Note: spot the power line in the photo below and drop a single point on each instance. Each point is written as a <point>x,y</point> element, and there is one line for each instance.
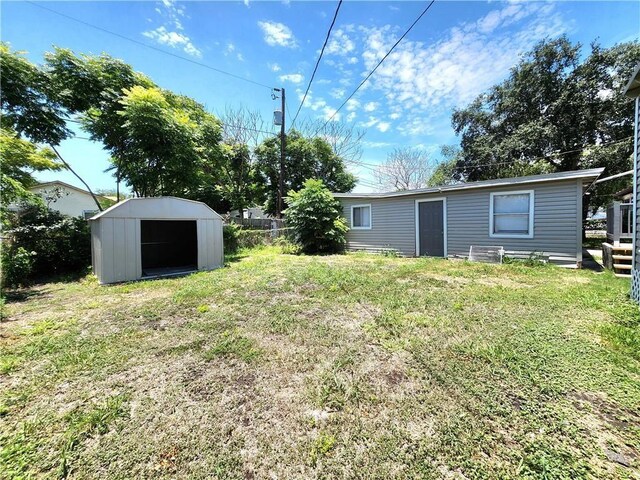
<point>137,42</point>
<point>374,166</point>
<point>221,123</point>
<point>376,67</point>
<point>326,40</point>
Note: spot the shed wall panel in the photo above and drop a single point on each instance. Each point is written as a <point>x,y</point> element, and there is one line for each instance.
<point>556,221</point>
<point>119,249</point>
<point>108,252</point>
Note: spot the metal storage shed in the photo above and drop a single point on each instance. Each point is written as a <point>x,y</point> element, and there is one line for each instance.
<point>153,237</point>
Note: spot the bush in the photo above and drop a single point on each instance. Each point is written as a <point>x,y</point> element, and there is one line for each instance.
<point>58,244</point>
<point>17,266</point>
<point>230,234</point>
<point>315,218</point>
<point>287,246</point>
<point>595,224</point>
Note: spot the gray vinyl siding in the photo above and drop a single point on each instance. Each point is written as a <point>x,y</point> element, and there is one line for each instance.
<point>557,222</point>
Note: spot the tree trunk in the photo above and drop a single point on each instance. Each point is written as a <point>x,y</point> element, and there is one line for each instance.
<point>95,199</point>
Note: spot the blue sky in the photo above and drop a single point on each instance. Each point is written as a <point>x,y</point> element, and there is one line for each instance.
<point>455,52</point>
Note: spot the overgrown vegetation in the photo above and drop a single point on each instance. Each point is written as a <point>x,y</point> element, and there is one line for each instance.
<point>42,243</point>
<point>315,218</point>
<point>324,367</point>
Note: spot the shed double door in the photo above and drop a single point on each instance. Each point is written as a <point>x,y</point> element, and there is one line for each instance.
<point>431,228</point>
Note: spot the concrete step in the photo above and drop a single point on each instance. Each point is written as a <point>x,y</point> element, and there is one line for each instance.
<point>622,275</point>
<point>621,266</point>
<point>622,257</point>
<point>622,248</point>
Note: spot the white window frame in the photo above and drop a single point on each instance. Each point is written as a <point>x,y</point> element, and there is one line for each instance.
<point>531,194</point>
<point>370,216</point>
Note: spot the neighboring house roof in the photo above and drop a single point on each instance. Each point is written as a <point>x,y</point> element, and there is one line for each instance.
<point>587,175</point>
<point>140,207</point>
<point>633,87</point>
<point>58,183</point>
<point>624,192</point>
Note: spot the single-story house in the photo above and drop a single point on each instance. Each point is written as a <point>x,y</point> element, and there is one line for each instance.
<point>540,214</point>
<point>67,199</point>
<point>152,237</point>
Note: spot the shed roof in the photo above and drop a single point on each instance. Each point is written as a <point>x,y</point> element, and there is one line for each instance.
<point>633,87</point>
<point>587,176</point>
<point>166,208</point>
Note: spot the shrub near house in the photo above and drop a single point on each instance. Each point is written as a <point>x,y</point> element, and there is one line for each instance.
<point>315,219</point>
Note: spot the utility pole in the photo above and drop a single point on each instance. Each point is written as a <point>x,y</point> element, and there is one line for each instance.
<point>282,153</point>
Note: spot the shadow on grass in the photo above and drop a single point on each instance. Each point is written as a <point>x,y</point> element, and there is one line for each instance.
<point>31,290</point>
<point>21,294</point>
<point>235,257</point>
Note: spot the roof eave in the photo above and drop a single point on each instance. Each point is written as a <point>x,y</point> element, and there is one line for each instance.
<point>632,89</point>
<point>588,176</point>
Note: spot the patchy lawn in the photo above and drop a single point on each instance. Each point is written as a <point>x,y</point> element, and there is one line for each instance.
<point>351,366</point>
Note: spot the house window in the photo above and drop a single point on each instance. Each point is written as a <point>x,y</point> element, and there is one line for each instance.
<point>511,214</point>
<point>361,217</point>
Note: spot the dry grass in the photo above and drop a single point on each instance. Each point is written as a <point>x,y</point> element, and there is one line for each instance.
<point>349,366</point>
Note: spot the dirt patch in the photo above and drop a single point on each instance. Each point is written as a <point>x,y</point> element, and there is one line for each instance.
<point>612,414</point>
<point>395,377</point>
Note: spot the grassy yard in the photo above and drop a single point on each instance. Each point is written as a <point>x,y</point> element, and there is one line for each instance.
<point>352,366</point>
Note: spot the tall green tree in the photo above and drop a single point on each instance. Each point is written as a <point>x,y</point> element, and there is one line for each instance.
<point>235,177</point>
<point>31,107</point>
<point>555,112</point>
<point>305,158</point>
<point>26,100</point>
<point>20,158</point>
<point>159,142</point>
<point>167,138</point>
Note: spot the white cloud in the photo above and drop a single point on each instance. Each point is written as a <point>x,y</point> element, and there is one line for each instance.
<point>352,60</point>
<point>370,144</point>
<point>278,34</point>
<point>274,67</point>
<point>352,104</point>
<point>170,32</point>
<point>351,116</point>
<point>395,116</point>
<point>292,77</point>
<point>340,44</point>
<point>240,57</point>
<point>370,106</point>
<point>246,3</point>
<point>337,92</point>
<point>174,40</point>
<point>370,123</point>
<point>229,48</point>
<point>330,114</point>
<point>425,81</point>
<point>383,126</point>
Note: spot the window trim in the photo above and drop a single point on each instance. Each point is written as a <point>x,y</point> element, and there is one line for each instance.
<point>531,194</point>
<point>370,216</point>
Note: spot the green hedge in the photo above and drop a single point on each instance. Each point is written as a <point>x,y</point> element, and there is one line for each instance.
<point>42,243</point>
